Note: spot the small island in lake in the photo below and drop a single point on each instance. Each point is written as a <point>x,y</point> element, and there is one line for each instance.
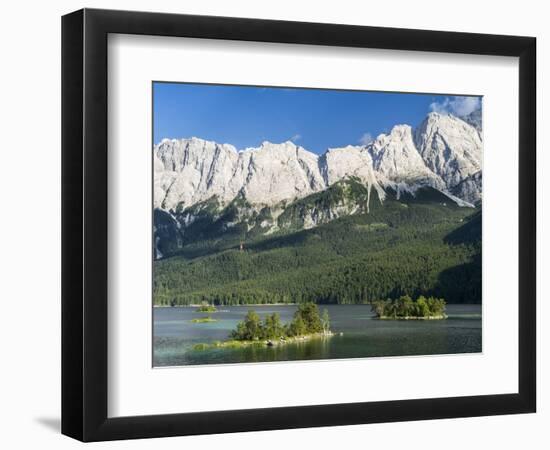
<point>206,319</point>
<point>205,307</point>
<point>405,308</point>
<point>307,323</point>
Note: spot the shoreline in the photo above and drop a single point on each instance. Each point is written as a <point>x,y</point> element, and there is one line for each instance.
<point>233,343</point>
<point>223,306</point>
<point>203,320</point>
<point>438,317</point>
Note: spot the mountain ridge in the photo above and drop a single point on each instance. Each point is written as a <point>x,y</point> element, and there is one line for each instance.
<point>441,152</point>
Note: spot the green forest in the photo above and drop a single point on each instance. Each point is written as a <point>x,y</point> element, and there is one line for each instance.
<point>408,246</point>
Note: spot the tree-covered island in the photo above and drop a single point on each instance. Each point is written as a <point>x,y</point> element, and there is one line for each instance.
<point>307,323</point>
<point>405,308</point>
<point>205,307</point>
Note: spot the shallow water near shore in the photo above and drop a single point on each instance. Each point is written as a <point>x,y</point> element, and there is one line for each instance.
<point>358,334</point>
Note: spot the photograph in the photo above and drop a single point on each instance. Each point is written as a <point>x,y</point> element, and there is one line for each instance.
<point>312,224</point>
<point>329,218</point>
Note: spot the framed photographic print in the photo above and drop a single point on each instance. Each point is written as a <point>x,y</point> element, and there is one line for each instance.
<point>273,224</point>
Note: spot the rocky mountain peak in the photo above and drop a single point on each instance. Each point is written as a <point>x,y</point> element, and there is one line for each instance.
<point>396,159</point>
<point>450,147</point>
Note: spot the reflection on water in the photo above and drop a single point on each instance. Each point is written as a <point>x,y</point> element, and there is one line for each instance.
<point>363,335</point>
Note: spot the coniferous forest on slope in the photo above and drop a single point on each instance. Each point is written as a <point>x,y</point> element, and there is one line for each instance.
<point>409,246</point>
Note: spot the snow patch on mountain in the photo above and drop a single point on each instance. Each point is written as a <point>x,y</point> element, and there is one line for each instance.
<point>459,201</point>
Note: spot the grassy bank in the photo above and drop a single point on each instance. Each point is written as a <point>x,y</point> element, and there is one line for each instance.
<point>438,317</point>
<point>233,343</point>
<point>203,320</point>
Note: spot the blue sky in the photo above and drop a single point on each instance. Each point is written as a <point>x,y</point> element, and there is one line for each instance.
<point>313,118</point>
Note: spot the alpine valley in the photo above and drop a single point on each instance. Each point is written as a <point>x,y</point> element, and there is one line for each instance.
<point>280,224</point>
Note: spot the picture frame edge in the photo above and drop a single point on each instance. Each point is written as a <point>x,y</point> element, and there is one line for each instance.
<point>85,240</point>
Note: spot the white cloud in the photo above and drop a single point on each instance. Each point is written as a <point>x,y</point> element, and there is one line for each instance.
<point>296,137</point>
<point>458,106</point>
<point>366,139</point>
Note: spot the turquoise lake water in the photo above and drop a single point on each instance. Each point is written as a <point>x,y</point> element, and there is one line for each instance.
<point>362,335</point>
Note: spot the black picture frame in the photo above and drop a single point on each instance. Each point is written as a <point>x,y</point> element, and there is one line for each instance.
<point>84,224</point>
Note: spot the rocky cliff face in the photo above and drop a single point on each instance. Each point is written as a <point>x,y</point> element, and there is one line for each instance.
<point>397,161</point>
<point>469,188</point>
<point>450,147</point>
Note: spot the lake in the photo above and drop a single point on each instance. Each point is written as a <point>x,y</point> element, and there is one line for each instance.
<point>363,335</point>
